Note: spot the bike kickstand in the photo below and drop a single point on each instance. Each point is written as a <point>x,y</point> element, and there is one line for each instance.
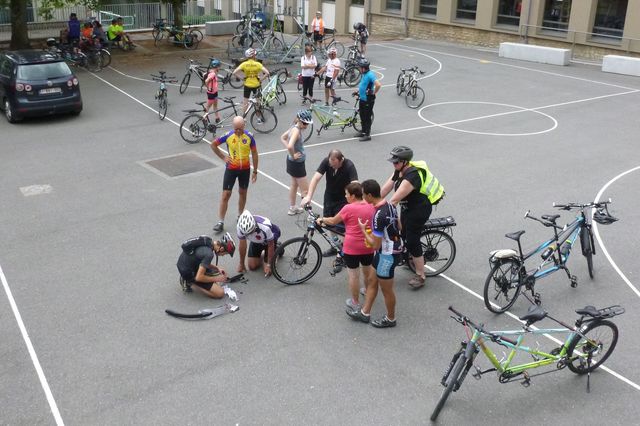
<point>526,382</point>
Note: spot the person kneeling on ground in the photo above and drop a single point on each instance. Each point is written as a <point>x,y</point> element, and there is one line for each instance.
<point>197,269</point>
<point>263,236</point>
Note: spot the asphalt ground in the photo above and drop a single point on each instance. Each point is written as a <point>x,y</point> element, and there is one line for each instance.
<point>90,264</point>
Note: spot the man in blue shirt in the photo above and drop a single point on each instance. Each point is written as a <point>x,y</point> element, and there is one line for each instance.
<point>367,91</point>
<point>74,29</point>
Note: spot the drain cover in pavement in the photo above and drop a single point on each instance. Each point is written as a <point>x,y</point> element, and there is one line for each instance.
<point>179,165</point>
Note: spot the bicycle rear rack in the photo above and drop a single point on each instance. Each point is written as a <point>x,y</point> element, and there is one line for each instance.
<point>440,222</point>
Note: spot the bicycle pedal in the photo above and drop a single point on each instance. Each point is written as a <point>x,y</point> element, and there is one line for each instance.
<point>526,382</point>
<point>477,374</point>
<point>574,281</point>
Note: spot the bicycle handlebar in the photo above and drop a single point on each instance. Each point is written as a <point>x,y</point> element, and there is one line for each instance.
<point>571,206</point>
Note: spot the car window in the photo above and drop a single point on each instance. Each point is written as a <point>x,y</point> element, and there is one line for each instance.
<point>5,66</point>
<point>43,71</point>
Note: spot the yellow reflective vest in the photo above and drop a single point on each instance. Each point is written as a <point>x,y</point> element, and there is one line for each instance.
<point>430,187</point>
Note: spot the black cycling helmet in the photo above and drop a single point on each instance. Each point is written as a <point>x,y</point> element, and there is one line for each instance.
<point>603,217</point>
<point>364,63</point>
<point>228,244</point>
<point>401,153</point>
<point>358,25</point>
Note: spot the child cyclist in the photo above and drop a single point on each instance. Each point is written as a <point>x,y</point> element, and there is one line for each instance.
<point>212,88</point>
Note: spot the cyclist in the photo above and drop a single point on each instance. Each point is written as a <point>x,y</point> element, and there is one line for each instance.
<point>308,65</point>
<point>240,145</point>
<point>252,70</point>
<point>367,90</point>
<point>331,70</point>
<point>361,34</point>
<point>212,88</point>
<point>197,267</point>
<point>416,189</point>
<point>317,25</point>
<point>294,143</point>
<point>385,238</point>
<point>115,32</point>
<point>263,236</point>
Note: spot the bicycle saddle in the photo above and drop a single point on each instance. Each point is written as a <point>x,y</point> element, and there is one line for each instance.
<point>514,235</point>
<point>588,310</point>
<point>534,314</point>
<point>229,99</point>
<point>550,217</point>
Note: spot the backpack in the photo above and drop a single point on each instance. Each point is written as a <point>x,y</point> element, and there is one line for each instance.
<point>192,244</point>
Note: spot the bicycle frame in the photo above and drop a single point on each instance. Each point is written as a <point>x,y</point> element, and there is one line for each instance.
<point>329,116</point>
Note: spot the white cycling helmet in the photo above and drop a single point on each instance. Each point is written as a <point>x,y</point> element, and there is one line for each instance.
<point>246,223</point>
<point>250,52</point>
<point>332,50</point>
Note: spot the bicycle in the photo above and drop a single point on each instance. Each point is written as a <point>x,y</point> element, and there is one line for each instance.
<point>162,95</point>
<point>332,117</point>
<point>299,259</point>
<point>508,271</point>
<point>225,76</point>
<point>588,344</point>
<point>407,83</point>
<point>189,38</point>
<point>195,125</point>
<point>273,91</point>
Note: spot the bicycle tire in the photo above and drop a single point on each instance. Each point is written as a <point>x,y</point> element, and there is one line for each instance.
<point>269,120</point>
<point>352,76</point>
<point>357,123</point>
<point>162,106</point>
<point>193,128</point>
<point>197,36</point>
<point>291,259</point>
<point>240,27</point>
<point>450,381</point>
<point>400,84</point>
<point>236,41</point>
<point>155,31</point>
<point>306,133</point>
<point>158,38</point>
<point>235,82</point>
<point>281,96</point>
<point>94,61</point>
<point>414,96</point>
<point>501,281</point>
<point>587,248</point>
<point>277,45</point>
<point>438,252</point>
<point>185,82</point>
<point>593,341</point>
<point>106,57</point>
<point>283,76</point>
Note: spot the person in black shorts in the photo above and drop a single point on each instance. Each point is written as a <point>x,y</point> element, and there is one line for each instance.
<point>197,269</point>
<point>340,172</point>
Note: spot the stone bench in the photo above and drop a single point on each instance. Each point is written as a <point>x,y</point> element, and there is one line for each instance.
<point>533,53</point>
<point>621,65</point>
<point>221,27</point>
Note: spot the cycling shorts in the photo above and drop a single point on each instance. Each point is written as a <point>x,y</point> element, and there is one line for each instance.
<point>385,265</point>
<point>354,260</point>
<point>212,96</point>
<point>249,90</point>
<point>256,249</point>
<point>329,83</point>
<point>230,177</point>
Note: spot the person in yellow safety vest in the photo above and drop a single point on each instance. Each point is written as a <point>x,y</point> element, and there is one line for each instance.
<point>317,26</point>
<point>416,190</point>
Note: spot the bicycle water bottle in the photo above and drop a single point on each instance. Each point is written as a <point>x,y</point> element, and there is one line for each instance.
<point>366,242</point>
<point>548,251</point>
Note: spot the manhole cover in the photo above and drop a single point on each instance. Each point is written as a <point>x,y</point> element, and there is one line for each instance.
<point>179,165</point>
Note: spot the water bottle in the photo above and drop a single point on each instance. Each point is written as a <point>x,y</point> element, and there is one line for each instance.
<point>366,242</point>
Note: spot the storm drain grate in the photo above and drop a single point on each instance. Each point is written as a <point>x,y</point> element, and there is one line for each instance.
<point>175,166</point>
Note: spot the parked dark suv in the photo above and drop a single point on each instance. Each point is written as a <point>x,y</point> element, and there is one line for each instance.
<point>37,83</point>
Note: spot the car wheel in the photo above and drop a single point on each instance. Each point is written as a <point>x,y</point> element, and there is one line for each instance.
<point>8,112</point>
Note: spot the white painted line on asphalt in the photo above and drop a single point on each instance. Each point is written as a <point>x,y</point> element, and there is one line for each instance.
<point>32,351</point>
<point>597,233</point>
<point>31,190</point>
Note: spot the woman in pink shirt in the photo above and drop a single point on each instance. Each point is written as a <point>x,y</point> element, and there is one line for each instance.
<point>212,88</point>
<point>356,254</point>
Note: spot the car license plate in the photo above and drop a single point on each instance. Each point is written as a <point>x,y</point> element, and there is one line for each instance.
<point>50,90</point>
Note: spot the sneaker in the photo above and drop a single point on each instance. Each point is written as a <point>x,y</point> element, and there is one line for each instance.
<point>359,316</point>
<point>295,210</point>
<point>417,282</point>
<point>186,287</point>
<point>353,305</point>
<point>384,322</point>
<point>218,227</point>
<point>329,252</point>
<point>365,138</point>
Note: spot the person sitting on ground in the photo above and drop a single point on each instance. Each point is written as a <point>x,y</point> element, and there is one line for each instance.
<point>262,235</point>
<point>197,269</point>
<point>116,33</point>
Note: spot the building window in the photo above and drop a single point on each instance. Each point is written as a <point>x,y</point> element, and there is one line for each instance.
<point>509,12</point>
<point>394,5</point>
<point>610,16</point>
<point>428,7</point>
<point>357,2</point>
<point>556,15</point>
<point>467,9</point>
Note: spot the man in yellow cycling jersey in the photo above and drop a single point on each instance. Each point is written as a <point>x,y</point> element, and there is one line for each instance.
<point>241,145</point>
<point>251,70</point>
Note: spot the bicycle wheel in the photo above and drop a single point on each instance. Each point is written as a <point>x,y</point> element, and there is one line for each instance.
<point>196,36</point>
<point>162,106</point>
<point>502,286</point>
<point>450,382</point>
<point>157,37</point>
<point>105,55</point>
<point>438,251</point>
<point>352,76</point>
<point>277,45</point>
<point>263,120</point>
<point>236,41</point>
<point>282,76</point>
<point>593,347</point>
<point>281,96</point>
<point>94,61</point>
<point>587,248</point>
<point>185,82</point>
<point>193,128</point>
<point>296,261</point>
<point>357,124</point>
<point>414,96</point>
<point>400,84</point>
<point>306,133</point>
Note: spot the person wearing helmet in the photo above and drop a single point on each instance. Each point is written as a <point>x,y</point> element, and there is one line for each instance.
<point>262,235</point>
<point>367,90</point>
<point>212,88</point>
<point>198,270</point>
<point>416,189</point>
<point>252,71</point>
<point>361,34</point>
<point>331,70</point>
<point>294,143</point>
